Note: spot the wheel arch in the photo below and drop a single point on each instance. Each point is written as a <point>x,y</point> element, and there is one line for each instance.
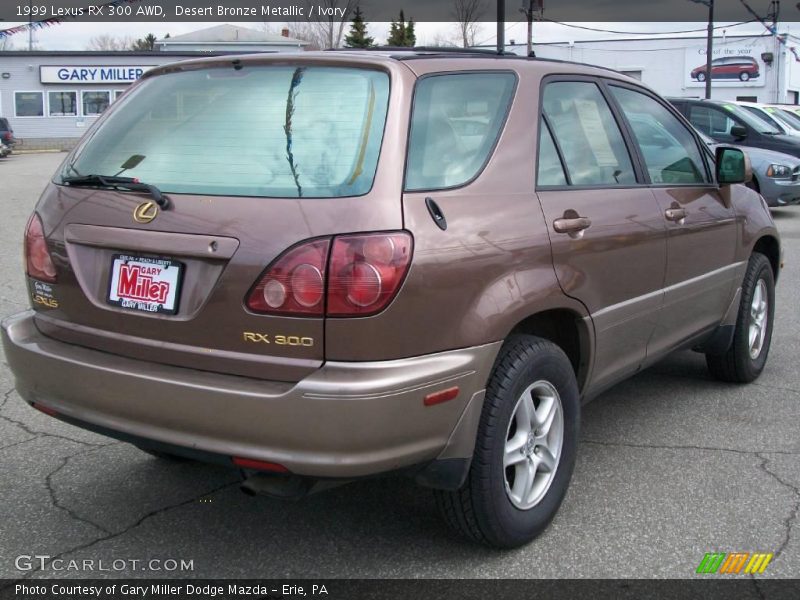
<point>769,246</point>
<point>567,329</point>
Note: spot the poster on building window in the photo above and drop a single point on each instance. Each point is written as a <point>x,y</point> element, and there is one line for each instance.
<point>733,65</point>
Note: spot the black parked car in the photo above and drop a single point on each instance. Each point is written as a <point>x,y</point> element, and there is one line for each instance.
<point>7,134</point>
<point>729,123</point>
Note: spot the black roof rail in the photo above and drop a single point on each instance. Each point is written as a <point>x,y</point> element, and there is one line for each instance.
<point>425,50</point>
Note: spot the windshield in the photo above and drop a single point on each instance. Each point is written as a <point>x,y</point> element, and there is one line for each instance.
<point>784,117</point>
<point>259,131</point>
<point>752,120</point>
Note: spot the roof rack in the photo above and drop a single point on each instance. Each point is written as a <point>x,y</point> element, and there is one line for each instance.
<point>425,50</point>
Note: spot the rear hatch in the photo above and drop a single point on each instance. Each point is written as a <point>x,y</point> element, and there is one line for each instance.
<point>254,156</point>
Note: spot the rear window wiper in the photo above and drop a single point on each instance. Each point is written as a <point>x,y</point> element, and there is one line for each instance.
<point>116,182</point>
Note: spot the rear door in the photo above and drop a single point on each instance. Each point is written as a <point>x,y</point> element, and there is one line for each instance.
<point>700,220</point>
<point>607,233</point>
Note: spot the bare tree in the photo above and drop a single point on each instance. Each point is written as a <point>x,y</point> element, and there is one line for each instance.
<point>468,14</point>
<point>324,31</point>
<point>106,42</point>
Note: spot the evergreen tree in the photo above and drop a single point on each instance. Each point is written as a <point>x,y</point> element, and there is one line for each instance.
<point>402,33</point>
<point>358,38</point>
<point>145,44</point>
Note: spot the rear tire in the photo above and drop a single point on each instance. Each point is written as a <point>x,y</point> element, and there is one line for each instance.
<point>745,359</point>
<point>744,76</point>
<point>525,448</point>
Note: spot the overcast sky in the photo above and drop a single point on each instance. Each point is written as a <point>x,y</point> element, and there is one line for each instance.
<point>76,36</point>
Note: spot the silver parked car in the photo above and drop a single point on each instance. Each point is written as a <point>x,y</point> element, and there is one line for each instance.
<point>776,175</point>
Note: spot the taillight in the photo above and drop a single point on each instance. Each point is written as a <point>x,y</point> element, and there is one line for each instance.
<point>364,274</point>
<point>366,271</point>
<point>295,283</point>
<point>7,135</point>
<point>38,263</point>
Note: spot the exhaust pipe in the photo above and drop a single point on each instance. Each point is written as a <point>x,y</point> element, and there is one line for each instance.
<point>286,487</point>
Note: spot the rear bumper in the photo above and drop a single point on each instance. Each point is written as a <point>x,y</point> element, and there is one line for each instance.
<point>344,420</point>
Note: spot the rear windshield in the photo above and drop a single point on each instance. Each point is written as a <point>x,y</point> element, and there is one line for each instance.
<point>284,132</point>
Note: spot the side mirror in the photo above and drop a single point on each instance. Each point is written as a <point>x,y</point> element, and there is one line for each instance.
<point>733,166</point>
<point>739,132</point>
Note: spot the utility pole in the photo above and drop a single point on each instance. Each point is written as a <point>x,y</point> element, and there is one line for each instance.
<point>709,42</point>
<point>529,8</point>
<point>709,48</point>
<point>501,26</point>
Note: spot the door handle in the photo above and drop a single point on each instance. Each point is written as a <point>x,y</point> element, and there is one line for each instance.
<point>676,215</point>
<point>571,225</point>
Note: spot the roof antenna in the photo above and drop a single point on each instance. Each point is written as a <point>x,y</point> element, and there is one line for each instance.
<point>501,26</point>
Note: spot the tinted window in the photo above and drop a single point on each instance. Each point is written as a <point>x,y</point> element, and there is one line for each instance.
<point>454,127</point>
<point>551,172</point>
<point>590,140</point>
<point>670,151</point>
<point>262,131</point>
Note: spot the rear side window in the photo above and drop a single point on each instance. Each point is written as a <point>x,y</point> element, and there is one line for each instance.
<point>268,131</point>
<point>551,172</point>
<point>455,124</point>
<point>591,143</point>
<point>670,151</point>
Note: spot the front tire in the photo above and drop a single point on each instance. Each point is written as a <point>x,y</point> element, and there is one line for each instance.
<point>525,450</point>
<point>745,359</point>
<point>701,76</point>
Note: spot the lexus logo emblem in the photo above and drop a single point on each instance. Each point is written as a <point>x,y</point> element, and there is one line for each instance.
<point>145,212</point>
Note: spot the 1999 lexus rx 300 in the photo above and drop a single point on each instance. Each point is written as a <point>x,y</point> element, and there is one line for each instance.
<point>418,262</point>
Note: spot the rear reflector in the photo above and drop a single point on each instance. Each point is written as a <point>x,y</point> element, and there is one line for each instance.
<point>441,396</point>
<point>258,465</point>
<point>44,409</point>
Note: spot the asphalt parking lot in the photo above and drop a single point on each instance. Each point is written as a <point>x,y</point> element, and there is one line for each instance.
<point>672,465</point>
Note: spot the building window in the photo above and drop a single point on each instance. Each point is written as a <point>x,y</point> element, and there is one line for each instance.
<point>94,103</point>
<point>117,94</point>
<point>62,104</point>
<point>747,98</point>
<point>29,104</point>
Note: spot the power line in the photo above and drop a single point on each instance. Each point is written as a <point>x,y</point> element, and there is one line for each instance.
<point>646,32</point>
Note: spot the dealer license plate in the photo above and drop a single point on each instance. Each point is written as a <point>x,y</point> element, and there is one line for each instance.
<point>150,285</point>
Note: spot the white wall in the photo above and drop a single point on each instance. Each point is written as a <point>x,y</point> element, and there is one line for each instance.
<point>664,63</point>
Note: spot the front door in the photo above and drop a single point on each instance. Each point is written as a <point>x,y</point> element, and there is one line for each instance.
<point>607,231</point>
<point>701,224</point>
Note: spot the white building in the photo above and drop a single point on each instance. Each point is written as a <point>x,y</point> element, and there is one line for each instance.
<point>230,38</point>
<point>673,66</point>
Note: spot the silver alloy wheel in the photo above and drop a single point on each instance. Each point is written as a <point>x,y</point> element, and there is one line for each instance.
<point>759,315</point>
<point>533,444</point>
